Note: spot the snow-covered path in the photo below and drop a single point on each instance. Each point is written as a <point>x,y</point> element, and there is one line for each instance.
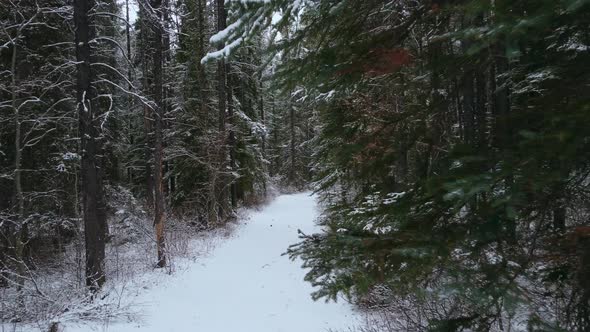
<point>245,285</point>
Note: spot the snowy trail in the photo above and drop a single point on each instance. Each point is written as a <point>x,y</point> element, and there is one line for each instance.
<point>245,285</point>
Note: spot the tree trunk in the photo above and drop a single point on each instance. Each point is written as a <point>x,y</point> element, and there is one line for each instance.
<point>167,92</point>
<point>21,234</point>
<point>200,52</point>
<point>92,186</point>
<point>263,121</point>
<point>292,143</point>
<point>149,179</point>
<point>147,122</point>
<point>221,188</point>
<point>129,87</point>
<point>231,139</point>
<point>159,216</point>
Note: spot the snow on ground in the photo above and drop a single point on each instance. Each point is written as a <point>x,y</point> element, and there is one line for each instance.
<point>244,285</point>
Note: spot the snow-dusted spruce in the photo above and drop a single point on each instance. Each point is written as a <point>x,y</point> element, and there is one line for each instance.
<point>477,112</point>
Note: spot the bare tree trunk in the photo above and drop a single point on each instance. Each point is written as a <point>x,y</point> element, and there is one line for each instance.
<point>221,68</point>
<point>200,52</point>
<point>92,186</point>
<point>263,121</point>
<point>275,161</point>
<point>167,92</point>
<point>221,188</point>
<point>128,38</point>
<point>291,174</point>
<point>22,233</point>
<point>159,216</point>
<point>231,139</point>
<point>149,179</point>
<point>129,87</point>
<point>147,123</point>
<point>292,143</point>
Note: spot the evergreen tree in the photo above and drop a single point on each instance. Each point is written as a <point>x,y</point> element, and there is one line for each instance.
<point>36,151</point>
<point>451,155</point>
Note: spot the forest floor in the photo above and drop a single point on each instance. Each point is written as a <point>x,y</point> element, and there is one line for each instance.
<point>243,284</point>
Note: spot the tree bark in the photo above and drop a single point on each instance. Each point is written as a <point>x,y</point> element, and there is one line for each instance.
<point>92,187</point>
<point>200,53</point>
<point>147,122</point>
<point>221,187</point>
<point>159,216</point>
<point>231,139</point>
<point>22,232</point>
<point>292,142</point>
<point>129,87</point>
<point>167,92</point>
<point>263,121</point>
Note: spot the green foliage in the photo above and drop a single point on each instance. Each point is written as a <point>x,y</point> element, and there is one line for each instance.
<point>453,153</point>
